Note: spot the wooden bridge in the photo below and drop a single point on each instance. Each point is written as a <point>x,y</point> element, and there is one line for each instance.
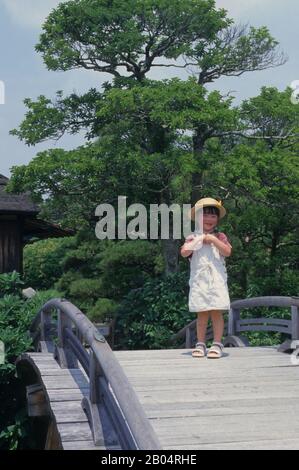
<point>93,398</point>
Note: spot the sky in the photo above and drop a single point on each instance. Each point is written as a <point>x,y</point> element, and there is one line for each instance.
<point>24,74</point>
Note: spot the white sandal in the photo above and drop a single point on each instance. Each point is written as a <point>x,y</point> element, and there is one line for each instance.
<point>215,351</point>
<point>200,350</point>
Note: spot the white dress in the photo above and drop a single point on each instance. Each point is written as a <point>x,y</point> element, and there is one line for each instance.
<point>208,280</point>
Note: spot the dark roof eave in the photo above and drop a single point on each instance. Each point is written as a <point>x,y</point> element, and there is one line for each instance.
<point>40,229</point>
<point>18,212</point>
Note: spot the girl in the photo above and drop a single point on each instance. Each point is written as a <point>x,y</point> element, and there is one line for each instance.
<point>208,294</point>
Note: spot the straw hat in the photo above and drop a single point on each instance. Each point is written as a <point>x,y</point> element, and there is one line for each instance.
<point>207,201</point>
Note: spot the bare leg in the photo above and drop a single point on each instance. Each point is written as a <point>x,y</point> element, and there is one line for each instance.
<point>202,323</point>
<point>218,325</point>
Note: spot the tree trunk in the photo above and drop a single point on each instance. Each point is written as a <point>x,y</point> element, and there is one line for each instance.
<point>170,249</point>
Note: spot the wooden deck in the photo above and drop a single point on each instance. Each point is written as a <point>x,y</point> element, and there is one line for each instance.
<point>95,398</point>
<point>64,390</point>
<point>249,399</point>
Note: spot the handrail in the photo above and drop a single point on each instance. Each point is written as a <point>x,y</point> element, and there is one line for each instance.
<point>109,386</point>
<point>291,327</point>
<point>266,301</point>
<point>235,324</point>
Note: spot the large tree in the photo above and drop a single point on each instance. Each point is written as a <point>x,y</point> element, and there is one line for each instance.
<point>127,39</point>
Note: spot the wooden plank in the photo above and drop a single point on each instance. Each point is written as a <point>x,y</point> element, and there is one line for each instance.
<point>224,436</point>
<point>41,355</point>
<point>86,445</point>
<point>57,383</point>
<point>77,416</point>
<point>269,444</point>
<point>163,397</point>
<point>65,405</point>
<point>220,407</point>
<point>74,432</point>
<point>156,386</point>
<point>131,355</point>
<point>212,424</point>
<point>67,394</point>
<point>195,380</point>
<point>60,372</point>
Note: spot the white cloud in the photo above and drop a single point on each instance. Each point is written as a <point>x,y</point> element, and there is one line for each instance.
<point>29,13</point>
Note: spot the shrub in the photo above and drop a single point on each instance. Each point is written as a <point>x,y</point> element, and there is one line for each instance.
<point>85,288</point>
<point>43,261</point>
<point>10,283</point>
<point>127,265</point>
<point>16,315</point>
<point>103,310</point>
<point>150,315</point>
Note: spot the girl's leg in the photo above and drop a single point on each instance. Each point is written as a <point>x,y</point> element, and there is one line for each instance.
<point>202,323</point>
<point>218,325</point>
<point>201,326</point>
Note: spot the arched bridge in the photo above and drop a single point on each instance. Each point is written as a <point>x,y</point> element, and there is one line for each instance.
<point>95,398</point>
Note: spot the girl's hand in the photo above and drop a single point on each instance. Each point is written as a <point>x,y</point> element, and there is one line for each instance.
<point>194,243</point>
<point>208,238</point>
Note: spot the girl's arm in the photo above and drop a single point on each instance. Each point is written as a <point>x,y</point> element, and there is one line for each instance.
<point>221,243</point>
<point>184,250</point>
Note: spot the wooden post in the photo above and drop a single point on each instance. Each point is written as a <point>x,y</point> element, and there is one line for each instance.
<point>188,343</point>
<point>295,322</point>
<point>65,355</point>
<point>233,317</point>
<point>94,374</point>
<point>36,401</point>
<point>53,441</point>
<point>45,325</point>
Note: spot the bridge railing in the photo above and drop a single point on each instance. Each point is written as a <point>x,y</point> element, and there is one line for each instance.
<point>236,325</point>
<point>74,339</point>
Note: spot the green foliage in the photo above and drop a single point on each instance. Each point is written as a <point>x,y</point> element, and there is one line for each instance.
<point>16,315</point>
<point>148,316</point>
<point>17,436</point>
<point>79,33</point>
<point>10,283</point>
<point>247,155</point>
<point>128,265</point>
<point>85,289</point>
<point>103,310</point>
<point>43,262</point>
<point>105,269</point>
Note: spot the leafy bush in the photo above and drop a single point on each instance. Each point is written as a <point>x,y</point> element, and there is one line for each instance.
<point>150,315</point>
<point>103,310</point>
<point>43,261</point>
<point>16,315</point>
<point>10,283</point>
<point>85,288</point>
<point>127,265</point>
<point>97,274</point>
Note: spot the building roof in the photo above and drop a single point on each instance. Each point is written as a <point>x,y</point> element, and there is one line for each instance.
<point>15,203</point>
<point>40,229</point>
<point>22,205</point>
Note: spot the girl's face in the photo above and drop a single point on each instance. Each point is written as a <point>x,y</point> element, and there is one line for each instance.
<point>209,222</point>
